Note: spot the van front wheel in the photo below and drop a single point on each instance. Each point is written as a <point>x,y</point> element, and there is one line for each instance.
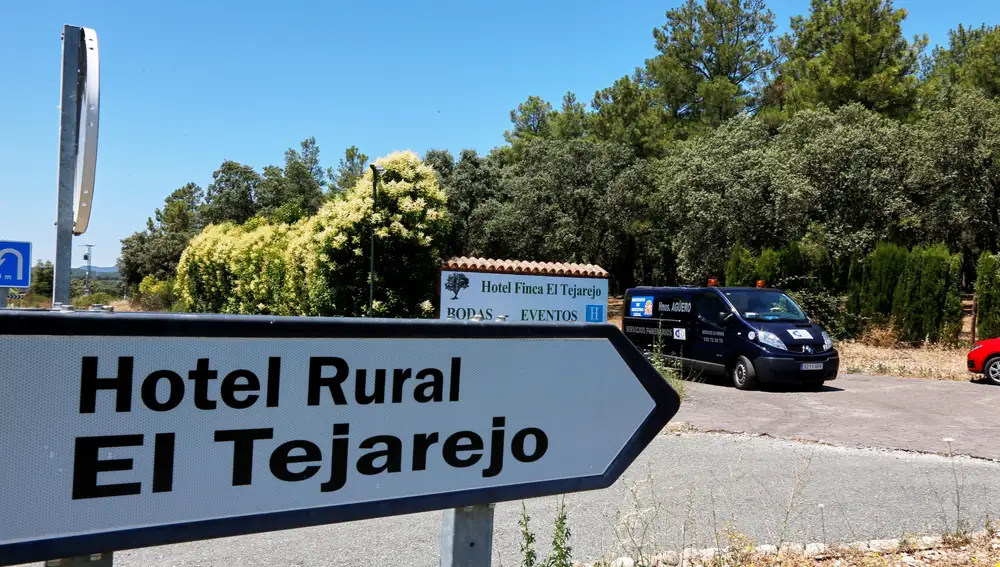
<point>743,374</point>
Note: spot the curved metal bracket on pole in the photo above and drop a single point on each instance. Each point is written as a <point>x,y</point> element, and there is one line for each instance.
<point>89,110</point>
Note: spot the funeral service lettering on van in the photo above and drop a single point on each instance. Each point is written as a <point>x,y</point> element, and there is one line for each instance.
<point>523,297</point>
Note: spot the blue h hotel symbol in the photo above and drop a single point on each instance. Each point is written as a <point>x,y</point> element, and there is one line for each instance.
<point>595,313</point>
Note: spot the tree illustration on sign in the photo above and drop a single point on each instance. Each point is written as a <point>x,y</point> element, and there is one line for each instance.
<point>456,283</point>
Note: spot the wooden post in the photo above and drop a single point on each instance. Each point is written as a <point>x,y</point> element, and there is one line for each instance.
<point>975,313</point>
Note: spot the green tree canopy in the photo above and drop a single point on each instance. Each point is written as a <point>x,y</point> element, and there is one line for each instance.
<point>156,250</point>
<point>352,167</point>
<point>232,194</point>
<point>848,51</point>
<point>713,55</point>
<point>970,61</point>
<point>627,113</point>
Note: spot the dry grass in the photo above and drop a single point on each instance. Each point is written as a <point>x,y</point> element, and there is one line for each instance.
<point>124,306</point>
<point>935,363</point>
<point>121,305</point>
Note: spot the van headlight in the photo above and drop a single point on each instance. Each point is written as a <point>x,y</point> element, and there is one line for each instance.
<point>827,342</point>
<point>770,339</point>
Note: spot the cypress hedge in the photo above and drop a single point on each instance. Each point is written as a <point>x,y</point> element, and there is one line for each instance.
<point>927,301</point>
<point>988,296</point>
<point>916,291</point>
<point>884,267</point>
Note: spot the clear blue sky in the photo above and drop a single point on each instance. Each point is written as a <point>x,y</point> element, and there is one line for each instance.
<point>187,84</point>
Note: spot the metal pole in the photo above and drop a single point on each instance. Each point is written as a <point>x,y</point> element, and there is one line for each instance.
<point>94,560</point>
<point>68,134</point>
<point>467,536</point>
<point>3,297</point>
<point>68,128</point>
<point>371,272</point>
<point>87,256</point>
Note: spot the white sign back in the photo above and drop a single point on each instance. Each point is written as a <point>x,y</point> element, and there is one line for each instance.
<point>130,426</point>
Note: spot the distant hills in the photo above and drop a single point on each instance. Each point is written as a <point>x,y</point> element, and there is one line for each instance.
<point>96,271</point>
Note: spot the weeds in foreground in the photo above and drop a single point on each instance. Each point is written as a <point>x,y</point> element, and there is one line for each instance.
<point>801,480</point>
<point>956,533</point>
<point>645,517</point>
<point>561,554</point>
<point>740,551</point>
<point>528,555</point>
<point>634,527</point>
<point>906,544</point>
<point>960,526</point>
<point>671,371</point>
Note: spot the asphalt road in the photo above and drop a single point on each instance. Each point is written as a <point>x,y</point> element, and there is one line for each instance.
<point>770,489</point>
<point>859,411</point>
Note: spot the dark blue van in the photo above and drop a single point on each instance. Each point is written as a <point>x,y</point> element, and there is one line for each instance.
<point>751,335</point>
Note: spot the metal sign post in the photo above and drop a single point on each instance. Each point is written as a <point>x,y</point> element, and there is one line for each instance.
<point>69,116</point>
<point>467,536</point>
<point>78,124</point>
<point>138,429</point>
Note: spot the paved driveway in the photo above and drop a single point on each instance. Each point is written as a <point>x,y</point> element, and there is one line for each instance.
<point>859,411</point>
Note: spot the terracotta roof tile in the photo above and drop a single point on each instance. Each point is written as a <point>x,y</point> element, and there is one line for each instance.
<point>524,267</point>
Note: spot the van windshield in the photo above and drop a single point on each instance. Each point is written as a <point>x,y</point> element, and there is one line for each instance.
<point>765,305</point>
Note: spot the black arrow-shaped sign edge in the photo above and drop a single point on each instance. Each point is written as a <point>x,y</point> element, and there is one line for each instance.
<point>25,322</point>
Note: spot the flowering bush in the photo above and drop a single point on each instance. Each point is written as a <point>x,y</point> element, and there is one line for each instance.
<point>154,294</point>
<point>320,265</point>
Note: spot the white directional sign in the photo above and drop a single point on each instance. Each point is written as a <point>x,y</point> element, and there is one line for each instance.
<point>136,430</point>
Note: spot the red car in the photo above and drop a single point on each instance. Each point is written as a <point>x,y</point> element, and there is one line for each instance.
<point>984,358</point>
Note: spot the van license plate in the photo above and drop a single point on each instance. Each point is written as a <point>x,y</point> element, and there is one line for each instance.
<point>812,366</point>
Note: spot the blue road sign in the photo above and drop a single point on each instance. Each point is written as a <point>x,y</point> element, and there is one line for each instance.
<point>15,264</point>
<point>595,313</point>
